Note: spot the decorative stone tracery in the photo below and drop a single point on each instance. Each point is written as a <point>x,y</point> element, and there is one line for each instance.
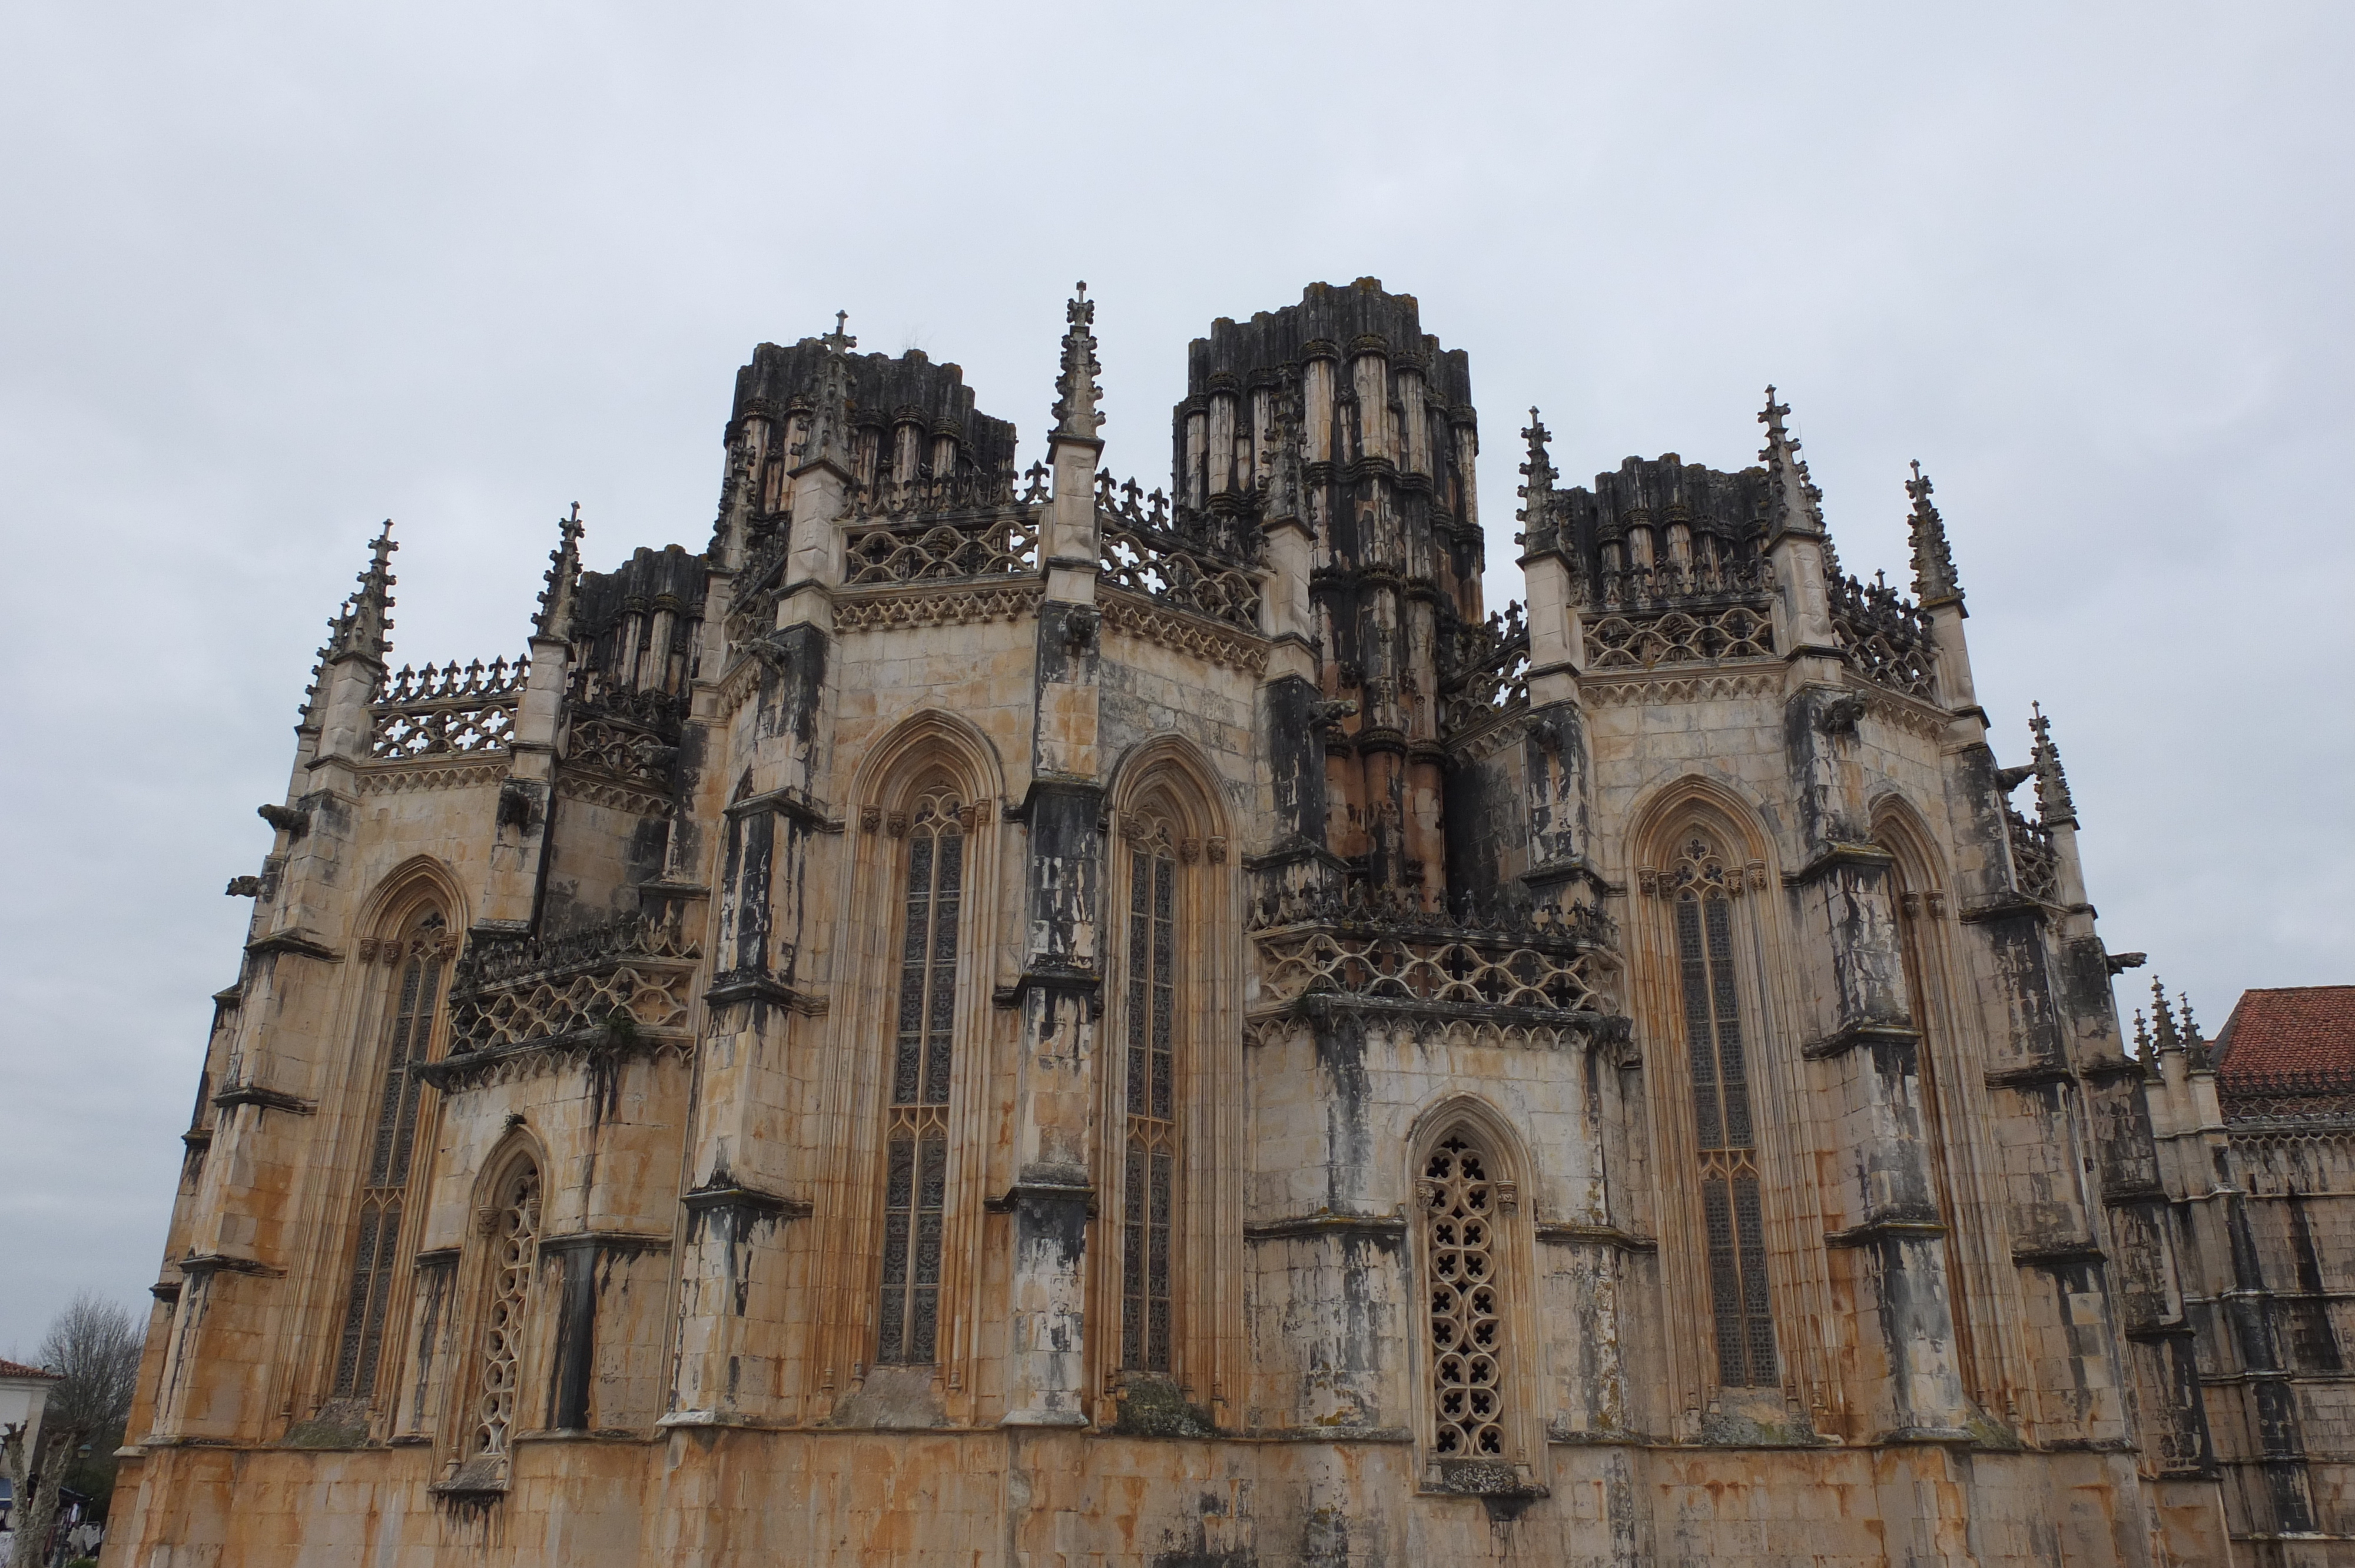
<point>1462,1269</point>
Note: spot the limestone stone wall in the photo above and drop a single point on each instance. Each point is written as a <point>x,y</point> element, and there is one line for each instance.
<point>996,1018</point>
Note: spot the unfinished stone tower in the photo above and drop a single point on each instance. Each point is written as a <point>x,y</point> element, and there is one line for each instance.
<point>995,1018</point>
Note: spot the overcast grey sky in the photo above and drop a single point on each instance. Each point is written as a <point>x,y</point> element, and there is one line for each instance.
<point>269,274</point>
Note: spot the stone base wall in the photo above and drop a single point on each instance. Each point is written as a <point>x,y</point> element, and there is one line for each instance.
<point>735,1498</point>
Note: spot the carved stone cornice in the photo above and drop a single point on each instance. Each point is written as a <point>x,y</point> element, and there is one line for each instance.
<point>739,1198</point>
<point>1327,1222</point>
<point>1180,631</point>
<point>1581,1232</point>
<point>916,604</point>
<point>1840,1042</point>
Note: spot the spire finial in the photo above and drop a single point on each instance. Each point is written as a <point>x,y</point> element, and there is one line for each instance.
<point>2142,1037</point>
<point>364,625</point>
<point>1792,500</point>
<point>1536,491</point>
<point>838,340</point>
<point>554,620</point>
<point>2163,1017</point>
<point>1933,564</point>
<point>2053,800</point>
<point>1076,391</point>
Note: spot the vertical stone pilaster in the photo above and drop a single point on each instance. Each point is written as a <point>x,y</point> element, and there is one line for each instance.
<point>1058,996</point>
<point>1868,1065</point>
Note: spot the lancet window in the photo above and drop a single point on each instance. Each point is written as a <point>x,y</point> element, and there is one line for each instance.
<point>1701,891</point>
<point>417,960</point>
<point>514,1245</point>
<point>916,1158</point>
<point>1461,1200</point>
<point>1150,1159</point>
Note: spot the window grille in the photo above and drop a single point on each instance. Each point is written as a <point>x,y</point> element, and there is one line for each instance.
<point>514,1241</point>
<point>1467,1320</point>
<point>1149,1197</point>
<point>1731,1209</point>
<point>384,1195</point>
<point>916,1136</point>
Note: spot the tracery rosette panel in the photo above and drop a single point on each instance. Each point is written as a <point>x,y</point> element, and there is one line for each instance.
<point>1188,562</point>
<point>1468,1324</point>
<point>1488,675</point>
<point>515,1243</point>
<point>2036,867</point>
<point>446,709</point>
<point>628,982</point>
<point>1004,543</point>
<point>1706,636</point>
<point>1887,637</point>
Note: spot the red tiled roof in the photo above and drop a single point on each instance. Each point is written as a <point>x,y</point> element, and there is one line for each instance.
<point>2295,1029</point>
<point>17,1369</point>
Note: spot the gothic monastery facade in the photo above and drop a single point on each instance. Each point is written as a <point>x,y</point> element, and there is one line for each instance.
<point>992,1018</point>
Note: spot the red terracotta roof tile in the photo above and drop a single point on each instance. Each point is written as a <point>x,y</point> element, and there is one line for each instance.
<point>18,1369</point>
<point>2294,1029</point>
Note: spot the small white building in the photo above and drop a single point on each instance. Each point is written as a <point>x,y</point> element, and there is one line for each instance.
<point>23,1394</point>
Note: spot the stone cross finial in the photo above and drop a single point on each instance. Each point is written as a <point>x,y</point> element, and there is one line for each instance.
<point>1933,563</point>
<point>1076,414</point>
<point>1538,475</point>
<point>838,340</point>
<point>563,580</point>
<point>2053,803</point>
<point>1792,500</point>
<point>364,626</point>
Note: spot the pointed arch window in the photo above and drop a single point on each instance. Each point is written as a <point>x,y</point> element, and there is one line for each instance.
<point>1462,1265</point>
<point>417,960</point>
<point>916,1149</point>
<point>1701,891</point>
<point>514,1227</point>
<point>1149,1143</point>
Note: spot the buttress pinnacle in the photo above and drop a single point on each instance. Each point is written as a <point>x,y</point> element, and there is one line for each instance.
<point>364,625</point>
<point>1933,563</point>
<point>554,620</point>
<point>1076,391</point>
<point>2163,1018</point>
<point>1792,499</point>
<point>2053,801</point>
<point>1537,487</point>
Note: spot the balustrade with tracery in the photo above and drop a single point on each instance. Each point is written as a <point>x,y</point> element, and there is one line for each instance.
<point>446,709</point>
<point>1192,561</point>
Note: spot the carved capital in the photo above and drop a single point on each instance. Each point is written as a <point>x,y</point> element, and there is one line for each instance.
<point>870,819</point>
<point>1216,849</point>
